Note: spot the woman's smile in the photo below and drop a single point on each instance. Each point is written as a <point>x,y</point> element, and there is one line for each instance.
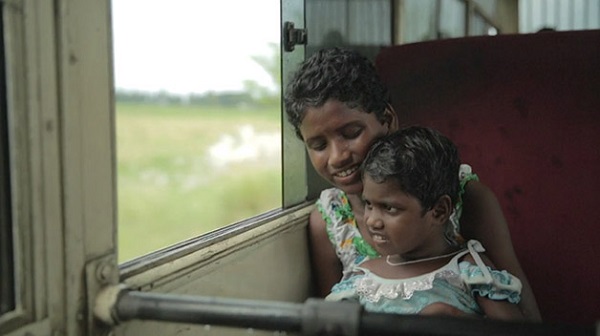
<point>347,176</point>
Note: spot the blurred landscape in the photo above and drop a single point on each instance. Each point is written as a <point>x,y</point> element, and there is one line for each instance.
<point>198,117</point>
<point>186,169</point>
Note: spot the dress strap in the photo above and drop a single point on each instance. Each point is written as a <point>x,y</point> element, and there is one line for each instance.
<point>474,247</point>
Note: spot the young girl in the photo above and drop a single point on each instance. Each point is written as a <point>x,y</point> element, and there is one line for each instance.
<point>410,187</point>
<point>339,107</point>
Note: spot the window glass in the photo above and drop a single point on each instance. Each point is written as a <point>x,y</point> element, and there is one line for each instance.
<point>452,20</point>
<point>198,121</point>
<point>418,22</point>
<point>363,25</point>
<point>431,20</point>
<point>487,6</point>
<point>423,20</point>
<point>7,298</point>
<point>558,15</point>
<point>479,26</point>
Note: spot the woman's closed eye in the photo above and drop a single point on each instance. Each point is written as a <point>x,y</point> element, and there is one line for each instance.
<point>352,132</point>
<point>316,145</point>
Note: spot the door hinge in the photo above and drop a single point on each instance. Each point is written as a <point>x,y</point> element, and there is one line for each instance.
<point>293,36</point>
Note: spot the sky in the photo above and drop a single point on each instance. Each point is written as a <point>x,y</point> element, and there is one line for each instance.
<point>191,46</point>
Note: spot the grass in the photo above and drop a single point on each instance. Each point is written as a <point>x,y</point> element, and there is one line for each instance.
<point>169,186</point>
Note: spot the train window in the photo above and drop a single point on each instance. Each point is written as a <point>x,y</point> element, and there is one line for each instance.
<point>198,117</point>
<point>342,23</point>
<point>558,15</point>
<point>431,19</point>
<point>7,295</point>
<point>480,19</point>
<point>362,24</point>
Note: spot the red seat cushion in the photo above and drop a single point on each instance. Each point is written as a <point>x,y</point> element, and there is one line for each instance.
<point>524,111</point>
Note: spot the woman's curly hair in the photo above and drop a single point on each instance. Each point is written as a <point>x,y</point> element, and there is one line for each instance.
<point>335,73</point>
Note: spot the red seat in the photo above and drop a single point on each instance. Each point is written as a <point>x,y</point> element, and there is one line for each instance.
<point>524,111</point>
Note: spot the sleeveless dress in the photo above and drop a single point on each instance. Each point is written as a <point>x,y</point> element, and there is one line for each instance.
<point>343,232</point>
<point>457,284</point>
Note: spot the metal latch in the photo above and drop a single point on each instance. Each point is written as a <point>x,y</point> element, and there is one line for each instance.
<point>293,36</point>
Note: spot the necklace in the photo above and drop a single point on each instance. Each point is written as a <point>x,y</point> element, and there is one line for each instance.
<point>408,262</point>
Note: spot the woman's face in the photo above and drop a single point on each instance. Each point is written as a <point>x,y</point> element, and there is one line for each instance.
<point>338,138</point>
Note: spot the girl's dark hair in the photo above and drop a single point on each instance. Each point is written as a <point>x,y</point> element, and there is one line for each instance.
<point>422,161</point>
<point>335,73</point>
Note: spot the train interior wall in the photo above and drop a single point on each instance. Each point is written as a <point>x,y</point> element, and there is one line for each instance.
<point>269,262</point>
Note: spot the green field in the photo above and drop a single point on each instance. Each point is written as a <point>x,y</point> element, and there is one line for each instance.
<point>170,188</point>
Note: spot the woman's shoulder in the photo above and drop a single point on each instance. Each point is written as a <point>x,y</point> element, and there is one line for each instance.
<point>331,195</point>
<point>478,189</point>
<point>334,206</point>
<point>465,171</point>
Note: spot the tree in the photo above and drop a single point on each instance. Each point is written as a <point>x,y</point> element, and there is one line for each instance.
<point>272,65</point>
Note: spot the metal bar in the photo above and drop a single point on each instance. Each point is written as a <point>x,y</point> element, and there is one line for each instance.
<point>318,317</point>
<point>418,325</point>
<point>264,315</point>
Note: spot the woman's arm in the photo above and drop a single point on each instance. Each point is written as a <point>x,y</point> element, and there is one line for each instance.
<point>496,309</point>
<point>483,220</point>
<point>326,267</point>
<point>440,308</point>
<point>500,310</point>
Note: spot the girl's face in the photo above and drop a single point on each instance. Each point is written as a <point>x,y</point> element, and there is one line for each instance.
<point>337,139</point>
<point>396,222</point>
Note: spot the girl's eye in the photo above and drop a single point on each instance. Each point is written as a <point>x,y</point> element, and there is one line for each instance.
<point>391,209</point>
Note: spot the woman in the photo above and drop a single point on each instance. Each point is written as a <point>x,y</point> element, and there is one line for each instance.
<point>339,107</point>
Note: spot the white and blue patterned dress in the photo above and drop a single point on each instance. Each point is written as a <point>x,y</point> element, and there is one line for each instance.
<point>457,284</point>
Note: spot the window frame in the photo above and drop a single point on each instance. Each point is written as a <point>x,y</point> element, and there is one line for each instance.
<point>61,161</point>
<point>23,21</point>
<point>7,281</point>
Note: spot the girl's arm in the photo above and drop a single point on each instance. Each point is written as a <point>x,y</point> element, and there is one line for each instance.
<point>326,267</point>
<point>483,220</point>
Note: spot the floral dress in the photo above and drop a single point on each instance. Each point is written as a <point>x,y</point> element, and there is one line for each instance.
<point>457,284</point>
<point>345,236</point>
